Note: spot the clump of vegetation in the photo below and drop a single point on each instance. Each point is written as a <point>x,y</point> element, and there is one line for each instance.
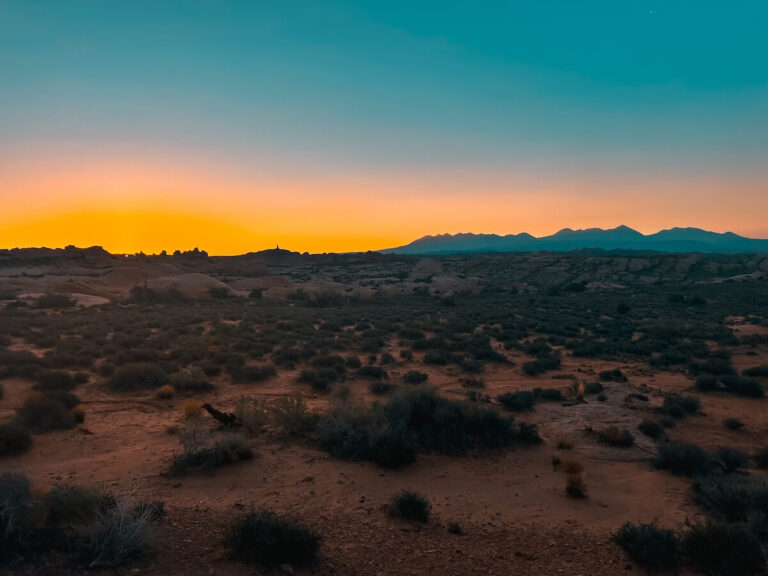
<point>575,480</point>
<point>651,428</point>
<point>54,300</point>
<point>96,529</point>
<point>761,458</point>
<point>756,371</point>
<point>411,506</point>
<point>614,375</point>
<point>191,379</point>
<point>252,414</point>
<point>549,394</point>
<point>520,401</point>
<point>138,376</point>
<point>372,372</point>
<point>199,455</point>
<point>47,412</point>
<point>293,415</point>
<point>416,420</point>
<point>722,549</point>
<point>733,424</point>
<point>192,409</point>
<point>48,380</point>
<point>14,439</point>
<point>683,460</point>
<point>165,392</point>
<point>614,436</point>
<point>730,459</point>
<point>648,545</point>
<point>266,539</point>
<point>678,406</point>
<point>415,377</point>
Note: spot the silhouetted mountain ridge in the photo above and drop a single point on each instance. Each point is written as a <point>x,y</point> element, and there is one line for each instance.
<point>619,238</point>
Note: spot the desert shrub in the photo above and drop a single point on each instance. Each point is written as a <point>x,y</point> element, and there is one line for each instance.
<point>192,409</point>
<point>269,540</point>
<point>46,412</point>
<point>53,300</point>
<point>651,428</point>
<point>199,455</point>
<point>742,386</point>
<point>191,379</point>
<point>417,420</point>
<point>252,414</point>
<point>68,504</point>
<point>454,527</point>
<point>379,387</point>
<point>406,354</point>
<point>756,371</point>
<point>54,380</point>
<point>683,460</point>
<point>436,356</point>
<point>593,388</point>
<point>707,383</point>
<point>714,366</point>
<point>575,480</point>
<point>730,459</point>
<point>471,366</point>
<point>551,394</point>
<point>411,506</point>
<point>678,406</point>
<point>543,363</point>
<point>722,549</point>
<point>293,414</point>
<point>14,439</point>
<point>138,376</point>
<point>320,379</point>
<point>145,295</point>
<point>614,375</point>
<point>415,377</point>
<point>733,423</point>
<point>615,436</point>
<point>373,372</point>
<point>732,498</point>
<point>648,545</point>
<point>16,532</point>
<point>761,458</point>
<point>119,534</point>
<point>353,362</point>
<point>387,358</point>
<point>165,392</point>
<point>520,401</point>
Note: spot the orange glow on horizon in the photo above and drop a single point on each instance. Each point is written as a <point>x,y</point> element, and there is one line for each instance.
<point>148,207</point>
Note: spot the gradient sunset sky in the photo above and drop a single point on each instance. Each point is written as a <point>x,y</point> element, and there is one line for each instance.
<point>338,126</point>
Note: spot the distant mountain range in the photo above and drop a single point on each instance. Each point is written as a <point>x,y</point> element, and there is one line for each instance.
<point>620,238</point>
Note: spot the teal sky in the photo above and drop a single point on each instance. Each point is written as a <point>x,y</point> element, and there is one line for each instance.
<point>620,89</point>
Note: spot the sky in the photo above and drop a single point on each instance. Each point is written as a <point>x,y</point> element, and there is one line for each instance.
<point>141,125</point>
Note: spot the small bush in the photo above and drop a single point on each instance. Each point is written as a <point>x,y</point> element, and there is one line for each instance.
<point>723,549</point>
<point>372,372</point>
<point>269,540</point>
<point>651,428</point>
<point>415,377</point>
<point>252,414</point>
<point>197,455</point>
<point>293,414</point>
<point>575,481</point>
<point>47,412</point>
<point>648,545</point>
<point>730,459</point>
<point>733,424</point>
<point>707,383</point>
<point>54,380</point>
<point>761,458</point>
<point>138,376</point>
<point>411,506</point>
<point>53,300</point>
<point>165,392</point>
<point>756,371</point>
<point>683,460</point>
<point>16,503</point>
<point>14,439</point>
<point>551,394</point>
<point>732,498</point>
<point>678,406</point>
<point>615,436</point>
<point>521,401</point>
<point>614,375</point>
<point>742,386</point>
<point>191,379</point>
<point>380,387</point>
<point>192,409</point>
<point>255,373</point>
